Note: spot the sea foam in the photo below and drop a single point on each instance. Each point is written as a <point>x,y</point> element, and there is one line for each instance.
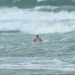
<point>34,21</point>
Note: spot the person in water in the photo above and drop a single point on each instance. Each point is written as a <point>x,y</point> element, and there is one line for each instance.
<point>37,39</point>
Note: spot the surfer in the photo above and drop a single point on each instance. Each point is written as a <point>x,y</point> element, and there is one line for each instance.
<point>37,39</point>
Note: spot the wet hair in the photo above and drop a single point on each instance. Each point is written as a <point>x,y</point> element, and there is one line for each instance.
<point>37,35</point>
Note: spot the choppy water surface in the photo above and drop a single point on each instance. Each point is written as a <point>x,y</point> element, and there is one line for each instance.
<point>20,55</point>
<point>21,20</point>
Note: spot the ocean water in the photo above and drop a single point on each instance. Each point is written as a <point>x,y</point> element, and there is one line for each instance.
<point>21,21</point>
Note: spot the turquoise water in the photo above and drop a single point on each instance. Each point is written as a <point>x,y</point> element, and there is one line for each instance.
<point>21,21</point>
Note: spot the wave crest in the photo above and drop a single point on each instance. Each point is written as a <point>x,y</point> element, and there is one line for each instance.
<point>33,21</point>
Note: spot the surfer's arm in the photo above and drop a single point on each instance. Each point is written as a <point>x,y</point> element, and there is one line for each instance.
<point>40,39</point>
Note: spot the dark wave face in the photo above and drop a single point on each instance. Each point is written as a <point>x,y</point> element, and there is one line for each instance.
<point>33,3</point>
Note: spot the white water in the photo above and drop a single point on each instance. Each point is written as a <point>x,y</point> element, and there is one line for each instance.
<point>39,0</point>
<point>35,64</point>
<point>34,21</point>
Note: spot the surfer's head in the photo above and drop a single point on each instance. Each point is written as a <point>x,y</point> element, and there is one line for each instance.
<point>37,35</point>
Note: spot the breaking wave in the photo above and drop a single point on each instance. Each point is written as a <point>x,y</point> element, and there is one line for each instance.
<point>34,21</point>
